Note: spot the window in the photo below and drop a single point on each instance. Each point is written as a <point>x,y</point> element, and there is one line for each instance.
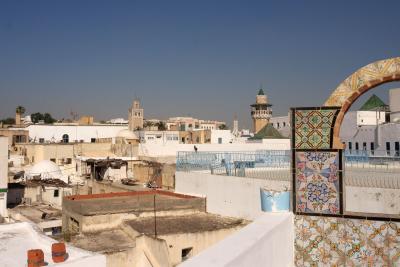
<point>388,148</point>
<point>92,140</point>
<point>186,253</point>
<point>56,193</point>
<point>372,148</point>
<point>65,138</point>
<point>350,146</point>
<point>53,160</point>
<point>20,139</point>
<point>284,124</point>
<point>219,140</point>
<point>68,161</point>
<point>357,146</point>
<point>397,149</point>
<point>41,140</point>
<point>364,146</point>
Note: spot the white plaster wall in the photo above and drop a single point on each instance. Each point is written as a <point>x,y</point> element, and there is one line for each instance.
<point>382,201</point>
<point>268,241</point>
<point>3,175</point>
<point>75,132</point>
<point>370,117</point>
<point>225,135</point>
<point>227,195</point>
<point>48,195</point>
<point>198,241</point>
<point>155,150</point>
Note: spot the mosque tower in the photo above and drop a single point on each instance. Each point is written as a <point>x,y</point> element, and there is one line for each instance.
<point>135,116</point>
<point>261,111</point>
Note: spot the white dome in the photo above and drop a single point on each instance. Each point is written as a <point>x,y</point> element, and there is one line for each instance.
<point>127,134</point>
<point>47,169</point>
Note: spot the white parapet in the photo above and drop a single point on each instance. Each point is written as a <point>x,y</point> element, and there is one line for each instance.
<point>268,241</point>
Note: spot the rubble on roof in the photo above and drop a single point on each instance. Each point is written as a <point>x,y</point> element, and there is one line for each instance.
<point>37,181</point>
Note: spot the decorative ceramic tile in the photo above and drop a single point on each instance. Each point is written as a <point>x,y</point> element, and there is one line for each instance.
<point>312,236</point>
<point>313,128</point>
<point>335,241</point>
<point>317,182</point>
<point>375,236</point>
<point>367,75</point>
<point>357,253</point>
<point>331,241</point>
<point>392,248</point>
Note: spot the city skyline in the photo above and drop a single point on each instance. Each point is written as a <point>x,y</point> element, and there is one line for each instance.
<point>205,60</point>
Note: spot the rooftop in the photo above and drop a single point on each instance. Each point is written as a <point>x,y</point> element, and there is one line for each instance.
<point>268,132</point>
<point>35,212</point>
<point>199,222</point>
<point>136,201</point>
<point>17,238</point>
<point>104,241</point>
<point>374,103</point>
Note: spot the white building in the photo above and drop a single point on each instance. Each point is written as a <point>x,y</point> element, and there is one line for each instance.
<point>54,133</point>
<point>370,117</point>
<point>221,137</point>
<point>3,175</point>
<point>189,124</point>
<point>394,104</point>
<point>159,137</point>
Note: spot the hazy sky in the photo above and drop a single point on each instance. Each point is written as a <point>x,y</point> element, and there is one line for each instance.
<point>200,58</point>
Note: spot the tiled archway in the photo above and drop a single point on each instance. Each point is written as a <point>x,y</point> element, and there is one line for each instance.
<point>317,149</point>
<point>364,79</point>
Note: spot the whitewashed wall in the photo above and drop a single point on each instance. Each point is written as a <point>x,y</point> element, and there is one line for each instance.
<point>227,195</point>
<point>3,175</point>
<point>75,132</point>
<point>156,150</point>
<point>268,241</point>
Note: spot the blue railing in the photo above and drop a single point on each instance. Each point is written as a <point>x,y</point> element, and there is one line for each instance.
<point>257,164</point>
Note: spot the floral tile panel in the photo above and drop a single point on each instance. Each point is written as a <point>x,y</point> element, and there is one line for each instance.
<point>317,182</point>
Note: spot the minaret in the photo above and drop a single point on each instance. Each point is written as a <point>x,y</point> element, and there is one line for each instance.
<point>135,116</point>
<point>261,111</point>
<point>235,130</point>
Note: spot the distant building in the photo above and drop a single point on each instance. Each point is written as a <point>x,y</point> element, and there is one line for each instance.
<point>3,176</point>
<point>394,104</point>
<point>235,130</point>
<point>189,124</point>
<point>118,121</point>
<point>282,124</point>
<point>261,111</point>
<point>135,116</point>
<point>372,130</point>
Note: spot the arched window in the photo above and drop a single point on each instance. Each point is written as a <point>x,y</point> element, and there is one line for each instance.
<point>65,138</point>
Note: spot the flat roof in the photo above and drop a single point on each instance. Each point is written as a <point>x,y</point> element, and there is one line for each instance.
<point>34,212</point>
<point>109,240</point>
<point>199,222</point>
<point>135,201</point>
<point>17,238</point>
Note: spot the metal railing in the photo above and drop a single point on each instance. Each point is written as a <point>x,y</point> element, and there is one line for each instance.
<point>361,168</point>
<point>262,164</point>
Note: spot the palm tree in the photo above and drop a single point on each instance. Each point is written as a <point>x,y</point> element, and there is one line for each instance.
<point>20,110</point>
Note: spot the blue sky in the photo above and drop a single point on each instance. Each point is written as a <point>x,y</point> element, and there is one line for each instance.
<point>199,58</point>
